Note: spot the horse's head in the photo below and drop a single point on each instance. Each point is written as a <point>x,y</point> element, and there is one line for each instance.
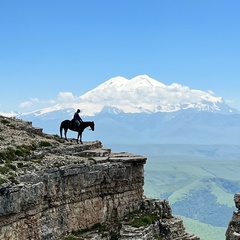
<point>92,125</point>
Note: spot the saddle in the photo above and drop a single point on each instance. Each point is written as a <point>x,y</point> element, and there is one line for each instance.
<point>74,126</point>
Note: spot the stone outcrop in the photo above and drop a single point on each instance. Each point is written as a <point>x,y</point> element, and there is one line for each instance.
<point>50,188</point>
<point>164,226</point>
<point>233,231</point>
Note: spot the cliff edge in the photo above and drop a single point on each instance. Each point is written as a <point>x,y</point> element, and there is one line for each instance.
<point>54,189</point>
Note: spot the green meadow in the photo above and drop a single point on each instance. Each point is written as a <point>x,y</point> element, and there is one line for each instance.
<point>201,190</point>
<point>198,181</point>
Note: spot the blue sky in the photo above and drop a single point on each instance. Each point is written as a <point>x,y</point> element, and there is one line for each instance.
<point>48,47</point>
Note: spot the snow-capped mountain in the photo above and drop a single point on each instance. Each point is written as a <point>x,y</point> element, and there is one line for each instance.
<point>140,94</point>
<point>144,94</point>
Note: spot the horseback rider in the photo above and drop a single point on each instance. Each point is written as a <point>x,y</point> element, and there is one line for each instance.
<point>76,118</point>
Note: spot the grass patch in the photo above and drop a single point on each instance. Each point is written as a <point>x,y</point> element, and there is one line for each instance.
<point>23,150</point>
<point>138,219</point>
<point>44,144</point>
<point>11,166</point>
<point>5,121</point>
<point>4,170</point>
<point>143,221</point>
<point>2,180</point>
<point>11,154</point>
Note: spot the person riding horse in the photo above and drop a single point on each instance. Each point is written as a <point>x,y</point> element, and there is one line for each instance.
<point>67,124</point>
<point>75,126</point>
<point>76,118</point>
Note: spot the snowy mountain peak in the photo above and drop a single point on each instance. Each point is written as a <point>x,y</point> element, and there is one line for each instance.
<point>115,81</point>
<point>145,81</point>
<point>122,84</point>
<point>145,94</point>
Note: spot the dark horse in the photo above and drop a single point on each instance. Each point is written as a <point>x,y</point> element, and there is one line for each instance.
<point>67,124</point>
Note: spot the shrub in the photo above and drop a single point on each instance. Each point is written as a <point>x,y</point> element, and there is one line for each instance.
<point>11,166</point>
<point>44,144</point>
<point>20,165</point>
<point>143,220</point>
<point>2,156</point>
<point>24,150</point>
<point>4,169</point>
<point>4,121</point>
<point>10,154</point>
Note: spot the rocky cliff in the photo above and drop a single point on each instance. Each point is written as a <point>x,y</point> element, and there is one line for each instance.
<point>233,231</point>
<point>54,189</point>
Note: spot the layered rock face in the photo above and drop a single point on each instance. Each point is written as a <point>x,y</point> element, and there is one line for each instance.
<point>48,203</point>
<point>50,188</point>
<point>233,231</point>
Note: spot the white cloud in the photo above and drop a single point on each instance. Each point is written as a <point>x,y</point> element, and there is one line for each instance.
<point>62,98</point>
<point>29,103</point>
<point>66,97</point>
<point>178,87</point>
<point>25,104</point>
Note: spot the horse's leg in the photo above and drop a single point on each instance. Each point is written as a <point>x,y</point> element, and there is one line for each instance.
<point>77,137</point>
<point>65,133</point>
<point>81,138</point>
